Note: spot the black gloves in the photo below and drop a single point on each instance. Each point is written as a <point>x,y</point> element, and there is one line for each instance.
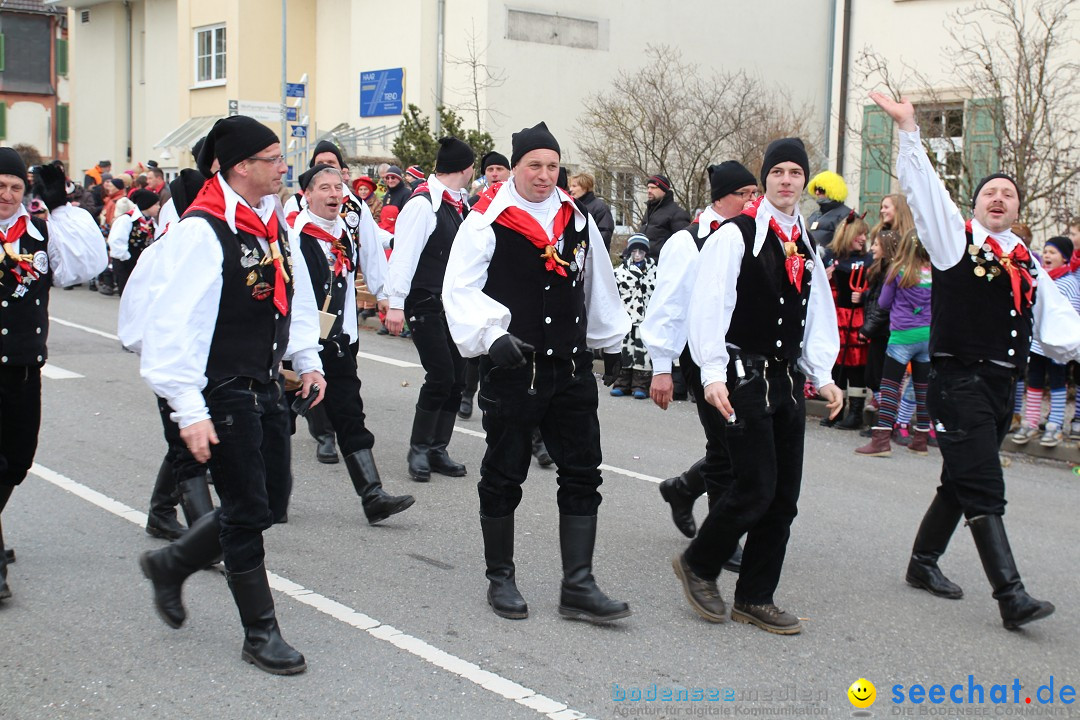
<point>508,352</point>
<point>612,368</point>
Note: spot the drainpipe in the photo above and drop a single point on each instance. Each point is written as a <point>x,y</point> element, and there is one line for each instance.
<point>842,122</point>
<point>829,58</point>
<point>440,52</point>
<point>130,72</point>
<point>284,79</point>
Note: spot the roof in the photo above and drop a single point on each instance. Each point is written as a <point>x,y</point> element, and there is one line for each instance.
<point>31,6</point>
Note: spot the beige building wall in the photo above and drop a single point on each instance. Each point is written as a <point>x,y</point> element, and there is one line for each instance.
<point>30,123</point>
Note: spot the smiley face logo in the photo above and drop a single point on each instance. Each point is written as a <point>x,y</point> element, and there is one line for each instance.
<point>862,693</point>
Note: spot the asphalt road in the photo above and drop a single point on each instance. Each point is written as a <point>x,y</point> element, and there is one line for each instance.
<point>393,621</point>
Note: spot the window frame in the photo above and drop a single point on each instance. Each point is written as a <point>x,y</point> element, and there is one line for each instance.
<point>214,80</point>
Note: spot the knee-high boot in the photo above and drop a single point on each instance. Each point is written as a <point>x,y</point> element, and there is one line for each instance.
<point>263,645</point>
<point>5,589</point>
<point>580,598</point>
<point>320,428</point>
<point>856,402</point>
<point>936,529</point>
<point>195,498</point>
<point>438,459</point>
<point>423,433</point>
<point>1016,606</point>
<point>502,594</point>
<point>169,567</point>
<point>161,521</point>
<point>378,504</point>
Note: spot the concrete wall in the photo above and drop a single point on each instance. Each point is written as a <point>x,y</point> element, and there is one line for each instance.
<point>30,122</point>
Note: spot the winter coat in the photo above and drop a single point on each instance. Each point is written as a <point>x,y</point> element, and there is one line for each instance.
<point>636,285</point>
<point>397,196</point>
<point>824,221</point>
<point>663,220</point>
<point>601,213</point>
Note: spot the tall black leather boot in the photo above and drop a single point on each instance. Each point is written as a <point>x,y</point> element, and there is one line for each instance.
<point>378,504</point>
<point>680,492</point>
<point>320,428</point>
<point>195,498</point>
<point>580,598</point>
<point>935,531</point>
<point>539,449</point>
<point>169,567</point>
<point>1016,606</point>
<point>5,589</point>
<point>263,645</point>
<point>438,459</point>
<point>853,420</point>
<point>502,594</point>
<point>423,433</point>
<point>161,521</point>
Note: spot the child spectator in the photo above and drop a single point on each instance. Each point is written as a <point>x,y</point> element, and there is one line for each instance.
<point>636,280</point>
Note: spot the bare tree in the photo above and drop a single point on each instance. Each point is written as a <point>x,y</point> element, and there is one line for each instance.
<point>1016,58</point>
<point>667,117</point>
<point>479,78</point>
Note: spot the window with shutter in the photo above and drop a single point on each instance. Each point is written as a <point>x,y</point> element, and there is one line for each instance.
<point>982,147</point>
<point>875,179</point>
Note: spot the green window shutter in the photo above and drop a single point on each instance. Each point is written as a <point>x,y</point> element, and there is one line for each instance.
<point>62,57</point>
<point>3,121</point>
<point>875,180</point>
<point>2,53</point>
<point>63,123</point>
<point>982,147</point>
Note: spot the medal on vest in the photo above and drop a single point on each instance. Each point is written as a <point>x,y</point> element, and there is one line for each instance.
<point>261,291</point>
<point>41,261</point>
<point>251,278</point>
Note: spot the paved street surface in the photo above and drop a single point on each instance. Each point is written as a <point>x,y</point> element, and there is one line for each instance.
<point>393,620</point>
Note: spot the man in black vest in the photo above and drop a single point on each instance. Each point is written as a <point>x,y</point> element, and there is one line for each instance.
<point>985,312</point>
<point>664,331</point>
<point>322,241</point>
<point>131,233</point>
<point>425,232</point>
<point>212,346</point>
<point>529,286</point>
<point>761,321</point>
<point>33,261</point>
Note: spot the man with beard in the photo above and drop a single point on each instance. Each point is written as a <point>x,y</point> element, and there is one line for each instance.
<point>663,218</point>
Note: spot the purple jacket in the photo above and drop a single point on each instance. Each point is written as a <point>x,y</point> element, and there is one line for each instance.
<point>909,308</point>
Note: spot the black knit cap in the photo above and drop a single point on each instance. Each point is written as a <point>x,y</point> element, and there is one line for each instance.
<point>785,150</point>
<point>309,175</point>
<point>660,181</point>
<point>145,199</point>
<point>493,158</point>
<point>995,176</point>
<point>11,163</point>
<point>1064,246</point>
<point>535,138</point>
<point>197,147</point>
<point>453,156</point>
<point>184,187</point>
<point>325,146</point>
<point>232,140</point>
<point>727,177</point>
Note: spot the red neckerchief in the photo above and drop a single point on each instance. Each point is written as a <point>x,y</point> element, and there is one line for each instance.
<point>23,263</point>
<point>1074,262</point>
<point>1058,272</point>
<point>521,222</point>
<point>211,199</point>
<point>794,263</point>
<point>342,264</point>
<point>290,219</point>
<point>1017,272</point>
<point>455,203</point>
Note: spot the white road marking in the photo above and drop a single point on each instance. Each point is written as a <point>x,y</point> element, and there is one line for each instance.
<point>388,360</point>
<point>503,687</point>
<point>84,328</point>
<point>58,373</point>
<point>605,468</point>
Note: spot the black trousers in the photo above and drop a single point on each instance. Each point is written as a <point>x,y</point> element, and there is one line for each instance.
<point>559,396</point>
<point>183,463</point>
<point>122,270</point>
<point>971,408</point>
<point>717,470</point>
<point>472,377</point>
<point>443,364</point>
<point>20,420</point>
<point>765,444</point>
<point>344,405</point>
<point>250,464</point>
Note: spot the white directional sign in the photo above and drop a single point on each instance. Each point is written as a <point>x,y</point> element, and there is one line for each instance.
<point>262,111</point>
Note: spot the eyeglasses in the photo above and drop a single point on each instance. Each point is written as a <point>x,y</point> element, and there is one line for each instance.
<point>746,194</point>
<point>275,159</point>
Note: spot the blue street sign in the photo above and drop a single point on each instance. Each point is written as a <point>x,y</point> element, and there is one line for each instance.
<point>289,175</point>
<point>299,131</point>
<point>294,90</point>
<point>382,92</point>
<point>292,114</point>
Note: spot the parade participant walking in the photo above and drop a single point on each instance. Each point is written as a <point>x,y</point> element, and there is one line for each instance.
<point>320,237</point>
<point>424,235</point>
<point>131,233</point>
<point>989,300</point>
<point>761,322</point>
<point>664,331</point>
<point>534,315</point>
<point>212,347</point>
<point>36,255</point>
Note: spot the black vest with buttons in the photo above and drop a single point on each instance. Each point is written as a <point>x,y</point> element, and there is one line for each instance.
<point>432,265</point>
<point>973,317</point>
<point>24,314</point>
<point>770,313</point>
<point>140,237</point>
<point>547,310</point>
<point>323,280</point>
<point>251,335</point>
